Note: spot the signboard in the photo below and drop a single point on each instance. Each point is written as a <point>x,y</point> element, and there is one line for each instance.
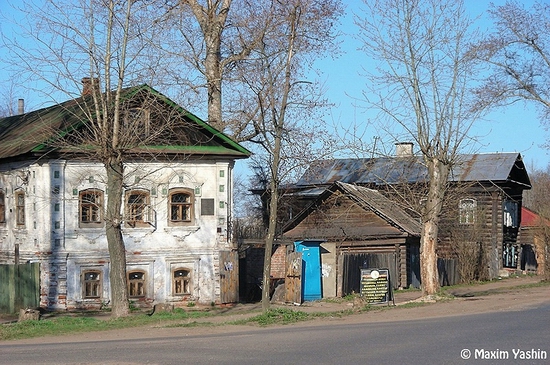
<point>376,285</point>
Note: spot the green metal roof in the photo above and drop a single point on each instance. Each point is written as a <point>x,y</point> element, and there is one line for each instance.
<point>35,132</point>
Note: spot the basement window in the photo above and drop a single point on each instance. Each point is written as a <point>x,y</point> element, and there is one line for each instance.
<point>181,282</point>
<point>136,284</point>
<point>91,285</point>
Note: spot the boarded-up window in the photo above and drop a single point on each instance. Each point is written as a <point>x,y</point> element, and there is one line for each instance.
<point>20,208</point>
<point>207,206</point>
<point>136,284</point>
<point>2,207</point>
<point>91,285</point>
<point>181,282</point>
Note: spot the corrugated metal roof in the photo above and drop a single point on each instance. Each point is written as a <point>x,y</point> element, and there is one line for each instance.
<point>393,170</point>
<point>35,131</point>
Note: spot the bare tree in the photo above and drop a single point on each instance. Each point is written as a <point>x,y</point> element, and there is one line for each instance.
<point>105,41</point>
<point>518,52</point>
<point>220,34</point>
<point>421,89</point>
<point>285,116</point>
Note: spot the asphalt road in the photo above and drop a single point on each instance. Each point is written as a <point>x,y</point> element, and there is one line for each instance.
<point>491,338</point>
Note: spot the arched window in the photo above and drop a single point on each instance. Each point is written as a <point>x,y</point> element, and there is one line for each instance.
<point>181,284</point>
<point>91,284</point>
<point>136,284</point>
<point>180,208</point>
<point>137,208</point>
<point>91,208</point>
<point>467,211</point>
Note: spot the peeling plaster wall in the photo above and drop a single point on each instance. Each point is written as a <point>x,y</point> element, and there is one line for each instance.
<point>52,234</point>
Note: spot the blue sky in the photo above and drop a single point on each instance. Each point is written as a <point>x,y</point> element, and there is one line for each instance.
<point>515,128</point>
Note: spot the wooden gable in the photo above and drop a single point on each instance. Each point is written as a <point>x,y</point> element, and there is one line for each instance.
<point>339,217</point>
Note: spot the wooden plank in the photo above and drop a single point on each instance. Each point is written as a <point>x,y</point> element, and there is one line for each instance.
<point>293,279</point>
<point>229,277</point>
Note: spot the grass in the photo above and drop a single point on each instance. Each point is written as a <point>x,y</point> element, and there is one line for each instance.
<point>62,324</point>
<point>65,324</point>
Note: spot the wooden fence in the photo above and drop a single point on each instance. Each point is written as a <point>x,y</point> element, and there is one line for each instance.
<point>19,287</point>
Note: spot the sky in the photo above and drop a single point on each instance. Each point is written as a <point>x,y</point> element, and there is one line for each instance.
<point>515,128</point>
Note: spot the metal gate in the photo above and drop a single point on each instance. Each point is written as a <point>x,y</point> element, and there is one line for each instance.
<point>229,277</point>
<point>19,287</point>
<point>293,279</point>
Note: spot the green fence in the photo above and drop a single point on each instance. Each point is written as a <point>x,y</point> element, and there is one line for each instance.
<point>19,287</point>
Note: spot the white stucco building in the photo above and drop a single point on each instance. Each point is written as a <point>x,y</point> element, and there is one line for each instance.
<point>177,213</point>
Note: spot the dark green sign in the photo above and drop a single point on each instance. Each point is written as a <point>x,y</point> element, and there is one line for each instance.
<point>375,285</point>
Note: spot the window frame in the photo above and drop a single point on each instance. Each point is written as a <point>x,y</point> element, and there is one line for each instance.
<point>88,283</point>
<point>20,208</point>
<point>130,120</point>
<point>467,211</point>
<point>185,282</point>
<point>94,206</point>
<point>131,282</point>
<point>131,209</point>
<point>190,205</point>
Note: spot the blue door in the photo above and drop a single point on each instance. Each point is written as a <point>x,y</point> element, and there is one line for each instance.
<point>311,269</point>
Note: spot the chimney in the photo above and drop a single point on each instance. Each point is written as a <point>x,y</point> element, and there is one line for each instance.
<point>89,84</point>
<point>21,106</point>
<point>404,149</point>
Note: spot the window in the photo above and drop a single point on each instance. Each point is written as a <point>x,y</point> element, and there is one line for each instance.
<point>91,208</point>
<point>137,208</point>
<point>91,286</point>
<point>180,209</point>
<point>138,119</point>
<point>467,210</point>
<point>181,283</point>
<point>20,208</point>
<point>136,284</point>
<point>2,207</point>
<point>510,215</point>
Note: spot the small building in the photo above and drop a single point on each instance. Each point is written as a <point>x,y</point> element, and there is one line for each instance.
<point>177,207</point>
<point>358,227</point>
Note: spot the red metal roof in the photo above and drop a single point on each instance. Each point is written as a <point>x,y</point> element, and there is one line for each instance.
<point>532,219</point>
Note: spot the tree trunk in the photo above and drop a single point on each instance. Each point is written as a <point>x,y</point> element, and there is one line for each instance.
<point>438,174</point>
<point>214,80</point>
<point>115,242</point>
<point>273,207</point>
